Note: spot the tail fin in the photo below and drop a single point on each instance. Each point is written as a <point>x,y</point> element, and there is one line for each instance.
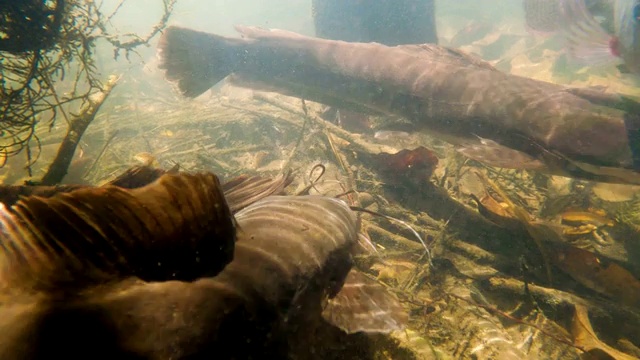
<point>197,60</point>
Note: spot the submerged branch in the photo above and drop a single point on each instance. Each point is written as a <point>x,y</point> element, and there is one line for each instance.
<point>77,126</point>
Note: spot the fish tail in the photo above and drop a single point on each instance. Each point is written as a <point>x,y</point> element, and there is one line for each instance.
<point>196,60</point>
<point>587,41</point>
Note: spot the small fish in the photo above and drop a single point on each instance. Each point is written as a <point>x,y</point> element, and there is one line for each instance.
<point>391,135</point>
<point>597,219</point>
<point>146,159</point>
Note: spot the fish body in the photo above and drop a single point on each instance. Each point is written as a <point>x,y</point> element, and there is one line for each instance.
<point>442,91</point>
<point>597,33</point>
<point>146,273</point>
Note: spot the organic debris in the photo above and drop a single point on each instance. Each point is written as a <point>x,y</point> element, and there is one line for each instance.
<point>510,255</point>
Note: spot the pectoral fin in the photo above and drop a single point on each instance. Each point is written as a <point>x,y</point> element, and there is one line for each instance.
<point>493,154</point>
<point>364,305</point>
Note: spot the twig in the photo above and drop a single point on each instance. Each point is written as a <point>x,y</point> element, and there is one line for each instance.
<point>77,126</point>
<point>375,229</point>
<point>356,142</point>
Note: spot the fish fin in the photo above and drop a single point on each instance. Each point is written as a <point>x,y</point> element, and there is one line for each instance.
<point>197,60</point>
<point>597,95</point>
<point>178,227</point>
<point>616,175</point>
<point>491,153</point>
<point>243,190</point>
<point>587,41</point>
<point>138,176</point>
<point>363,305</point>
<point>10,194</point>
<point>132,178</point>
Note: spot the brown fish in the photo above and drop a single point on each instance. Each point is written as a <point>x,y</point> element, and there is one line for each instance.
<point>106,273</point>
<point>132,178</point>
<point>389,22</point>
<point>98,234</point>
<point>442,91</point>
<point>239,192</point>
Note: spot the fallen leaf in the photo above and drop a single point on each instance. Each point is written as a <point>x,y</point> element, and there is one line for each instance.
<point>585,337</point>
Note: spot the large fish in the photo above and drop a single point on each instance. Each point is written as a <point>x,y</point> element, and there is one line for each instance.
<point>165,271</point>
<point>497,118</point>
<point>389,22</point>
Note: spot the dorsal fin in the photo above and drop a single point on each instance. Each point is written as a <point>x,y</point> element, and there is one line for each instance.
<point>132,178</point>
<point>10,194</point>
<point>139,176</point>
<point>178,227</point>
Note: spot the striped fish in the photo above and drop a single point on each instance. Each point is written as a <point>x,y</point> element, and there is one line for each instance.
<point>496,118</point>
<point>166,272</point>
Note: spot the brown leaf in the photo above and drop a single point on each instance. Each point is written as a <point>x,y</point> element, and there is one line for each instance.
<point>585,337</point>
<point>495,212</point>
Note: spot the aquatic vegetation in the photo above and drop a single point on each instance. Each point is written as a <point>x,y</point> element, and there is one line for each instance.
<point>520,264</point>
<point>48,70</point>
